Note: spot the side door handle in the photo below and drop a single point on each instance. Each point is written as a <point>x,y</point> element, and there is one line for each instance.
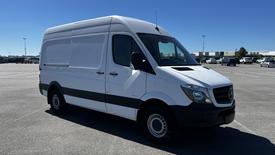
<point>114,73</point>
<point>99,72</point>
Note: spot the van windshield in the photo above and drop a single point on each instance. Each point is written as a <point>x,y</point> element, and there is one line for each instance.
<point>167,51</point>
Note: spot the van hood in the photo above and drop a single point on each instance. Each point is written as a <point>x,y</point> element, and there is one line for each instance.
<point>198,75</point>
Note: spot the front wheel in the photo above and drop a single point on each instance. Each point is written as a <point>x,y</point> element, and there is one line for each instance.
<point>157,124</point>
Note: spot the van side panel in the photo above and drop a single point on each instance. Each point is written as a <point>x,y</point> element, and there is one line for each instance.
<point>87,59</point>
<point>88,51</point>
<point>55,57</point>
<point>77,63</point>
<point>57,52</point>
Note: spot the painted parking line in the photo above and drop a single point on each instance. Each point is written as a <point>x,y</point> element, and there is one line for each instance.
<point>24,116</point>
<point>244,127</point>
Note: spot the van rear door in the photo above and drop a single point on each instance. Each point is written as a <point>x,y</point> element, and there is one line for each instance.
<point>125,86</point>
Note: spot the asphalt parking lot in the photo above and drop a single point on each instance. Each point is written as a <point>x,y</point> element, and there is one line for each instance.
<point>28,127</point>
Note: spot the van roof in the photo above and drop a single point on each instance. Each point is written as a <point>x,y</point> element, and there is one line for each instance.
<point>130,24</point>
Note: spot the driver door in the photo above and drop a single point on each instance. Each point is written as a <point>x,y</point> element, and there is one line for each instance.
<point>124,86</point>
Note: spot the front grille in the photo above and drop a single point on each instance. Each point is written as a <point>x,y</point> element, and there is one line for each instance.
<point>223,95</point>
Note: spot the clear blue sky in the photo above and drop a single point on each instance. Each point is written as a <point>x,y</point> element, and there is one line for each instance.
<point>228,24</point>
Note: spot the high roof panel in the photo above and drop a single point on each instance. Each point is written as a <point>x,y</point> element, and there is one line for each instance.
<point>134,25</point>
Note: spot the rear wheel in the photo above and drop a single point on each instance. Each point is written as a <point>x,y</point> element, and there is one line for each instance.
<point>57,102</point>
<point>157,125</point>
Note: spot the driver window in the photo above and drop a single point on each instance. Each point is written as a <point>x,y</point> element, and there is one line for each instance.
<point>123,46</point>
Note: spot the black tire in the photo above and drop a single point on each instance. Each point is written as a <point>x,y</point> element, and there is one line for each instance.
<point>57,102</point>
<point>157,119</point>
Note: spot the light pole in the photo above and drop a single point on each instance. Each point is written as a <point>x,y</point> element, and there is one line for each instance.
<point>25,46</point>
<point>203,38</point>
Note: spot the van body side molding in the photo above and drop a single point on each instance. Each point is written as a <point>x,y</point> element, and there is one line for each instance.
<point>56,65</point>
<point>112,99</point>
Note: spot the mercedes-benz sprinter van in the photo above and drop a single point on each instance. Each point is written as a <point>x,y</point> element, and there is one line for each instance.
<point>132,69</point>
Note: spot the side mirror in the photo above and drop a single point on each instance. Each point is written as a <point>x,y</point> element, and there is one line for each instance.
<point>137,60</point>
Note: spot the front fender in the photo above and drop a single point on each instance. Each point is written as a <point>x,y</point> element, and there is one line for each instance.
<point>160,96</point>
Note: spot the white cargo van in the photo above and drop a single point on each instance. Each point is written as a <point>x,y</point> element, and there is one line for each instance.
<point>132,69</point>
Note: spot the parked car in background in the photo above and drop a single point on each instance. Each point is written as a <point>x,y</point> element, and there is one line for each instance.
<point>268,64</point>
<point>254,60</point>
<point>1,60</point>
<point>31,60</point>
<point>246,60</point>
<point>203,60</point>
<point>219,60</point>
<point>265,59</point>
<point>229,62</point>
<point>211,61</point>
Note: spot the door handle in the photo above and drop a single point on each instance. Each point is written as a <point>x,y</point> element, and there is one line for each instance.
<point>99,72</point>
<point>114,73</point>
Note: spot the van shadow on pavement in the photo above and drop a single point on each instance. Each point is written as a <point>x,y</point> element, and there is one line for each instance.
<point>221,140</point>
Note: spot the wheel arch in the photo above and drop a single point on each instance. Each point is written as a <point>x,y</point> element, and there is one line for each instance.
<point>55,86</point>
<point>156,95</point>
<point>163,102</point>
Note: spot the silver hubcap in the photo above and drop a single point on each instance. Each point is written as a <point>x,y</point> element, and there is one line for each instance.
<point>55,102</point>
<point>157,125</point>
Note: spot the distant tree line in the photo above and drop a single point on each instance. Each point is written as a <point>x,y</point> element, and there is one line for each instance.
<point>242,52</point>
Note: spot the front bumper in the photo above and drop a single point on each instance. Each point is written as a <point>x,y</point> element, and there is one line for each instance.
<point>203,115</point>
